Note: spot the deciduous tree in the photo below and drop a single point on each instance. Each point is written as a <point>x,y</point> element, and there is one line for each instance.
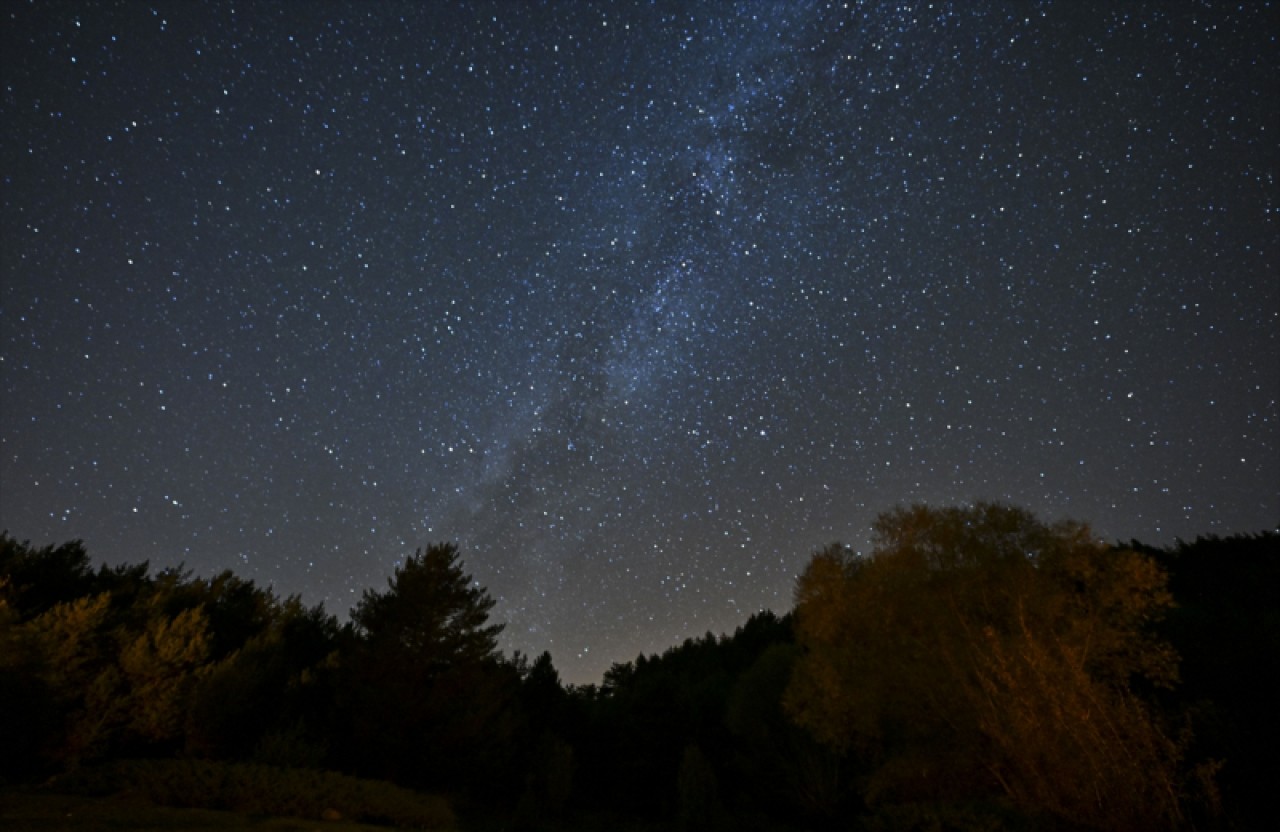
<point>980,652</point>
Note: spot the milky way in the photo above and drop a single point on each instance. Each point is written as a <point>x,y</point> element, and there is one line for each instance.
<point>638,303</point>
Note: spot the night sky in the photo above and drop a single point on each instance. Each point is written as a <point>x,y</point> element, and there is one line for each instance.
<point>638,303</point>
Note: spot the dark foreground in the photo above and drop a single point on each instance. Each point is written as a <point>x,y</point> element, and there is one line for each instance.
<point>44,812</point>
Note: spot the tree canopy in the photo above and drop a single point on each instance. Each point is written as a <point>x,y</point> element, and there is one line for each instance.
<point>980,652</point>
<point>979,669</point>
<point>427,697</point>
<point>432,611</point>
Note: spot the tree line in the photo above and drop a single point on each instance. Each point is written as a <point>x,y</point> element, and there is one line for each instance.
<point>979,669</point>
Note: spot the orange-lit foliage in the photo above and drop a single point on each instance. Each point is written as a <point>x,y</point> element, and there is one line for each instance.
<point>980,652</point>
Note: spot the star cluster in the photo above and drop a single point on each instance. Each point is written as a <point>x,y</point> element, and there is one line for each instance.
<point>639,303</point>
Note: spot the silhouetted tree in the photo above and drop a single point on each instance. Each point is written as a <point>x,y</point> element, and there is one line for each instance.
<point>548,782</point>
<point>780,767</point>
<point>981,668</point>
<point>429,701</point>
<point>272,694</point>
<point>547,705</point>
<point>432,614</point>
<point>647,712</point>
<point>33,580</point>
<point>1226,628</point>
<point>699,792</point>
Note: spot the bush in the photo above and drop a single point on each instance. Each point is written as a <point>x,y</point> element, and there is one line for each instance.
<point>263,790</point>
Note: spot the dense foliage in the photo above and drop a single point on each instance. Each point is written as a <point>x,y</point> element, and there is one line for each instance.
<point>979,670</point>
<point>979,654</point>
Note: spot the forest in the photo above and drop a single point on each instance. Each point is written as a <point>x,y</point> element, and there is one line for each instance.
<point>980,669</point>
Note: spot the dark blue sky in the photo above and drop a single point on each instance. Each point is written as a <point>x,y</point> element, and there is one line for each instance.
<point>639,303</point>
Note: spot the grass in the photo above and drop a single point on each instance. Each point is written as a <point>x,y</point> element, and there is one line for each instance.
<point>45,812</point>
<point>207,795</point>
<point>255,791</point>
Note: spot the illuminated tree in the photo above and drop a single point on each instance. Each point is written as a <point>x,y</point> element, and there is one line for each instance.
<point>980,652</point>
<point>161,667</point>
<point>72,657</point>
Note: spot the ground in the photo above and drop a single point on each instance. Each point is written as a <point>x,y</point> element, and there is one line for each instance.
<point>27,812</point>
